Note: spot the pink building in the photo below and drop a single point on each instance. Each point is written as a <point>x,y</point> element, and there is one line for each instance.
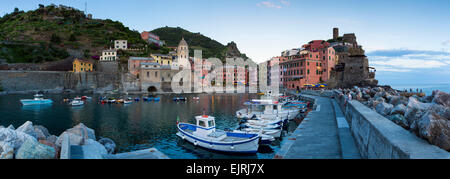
<point>134,64</point>
<point>310,66</point>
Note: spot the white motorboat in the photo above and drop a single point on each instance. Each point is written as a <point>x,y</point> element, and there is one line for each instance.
<point>277,121</point>
<point>77,103</point>
<point>259,126</point>
<point>271,132</point>
<point>37,100</point>
<point>267,109</point>
<point>265,139</point>
<point>204,134</point>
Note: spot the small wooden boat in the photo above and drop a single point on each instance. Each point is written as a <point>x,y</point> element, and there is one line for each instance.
<point>204,134</point>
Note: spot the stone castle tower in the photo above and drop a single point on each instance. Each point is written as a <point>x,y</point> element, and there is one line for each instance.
<point>335,33</point>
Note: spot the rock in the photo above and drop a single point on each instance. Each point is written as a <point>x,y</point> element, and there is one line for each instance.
<point>52,139</point>
<point>41,132</point>
<point>414,111</point>
<point>32,149</point>
<point>396,100</point>
<point>11,127</point>
<point>74,139</point>
<point>6,150</point>
<point>15,138</point>
<point>94,150</point>
<point>399,120</point>
<point>78,135</point>
<point>109,144</point>
<point>441,98</point>
<point>399,109</point>
<point>384,108</point>
<point>435,129</point>
<point>27,128</point>
<point>53,145</point>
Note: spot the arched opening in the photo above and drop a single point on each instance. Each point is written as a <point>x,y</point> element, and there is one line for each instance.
<point>152,89</point>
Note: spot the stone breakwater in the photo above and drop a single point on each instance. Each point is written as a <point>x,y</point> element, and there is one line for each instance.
<point>35,142</point>
<point>428,117</point>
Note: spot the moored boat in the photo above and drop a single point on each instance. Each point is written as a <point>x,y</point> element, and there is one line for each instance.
<point>37,100</point>
<point>77,103</point>
<point>204,134</point>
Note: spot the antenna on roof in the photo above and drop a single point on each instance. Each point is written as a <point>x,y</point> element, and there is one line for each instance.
<point>85,7</point>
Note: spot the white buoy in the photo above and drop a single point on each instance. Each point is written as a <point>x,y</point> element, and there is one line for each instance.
<point>195,143</point>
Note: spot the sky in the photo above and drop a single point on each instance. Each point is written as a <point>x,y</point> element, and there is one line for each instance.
<point>404,39</point>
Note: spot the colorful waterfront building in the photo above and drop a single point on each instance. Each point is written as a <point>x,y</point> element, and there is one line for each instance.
<point>79,65</point>
<point>311,65</point>
<point>134,64</point>
<point>162,59</point>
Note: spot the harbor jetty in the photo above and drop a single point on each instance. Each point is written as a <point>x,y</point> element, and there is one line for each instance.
<point>363,126</point>
<point>35,142</point>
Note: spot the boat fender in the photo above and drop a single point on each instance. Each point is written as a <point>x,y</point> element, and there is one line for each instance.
<point>195,143</point>
<point>232,147</point>
<point>183,137</point>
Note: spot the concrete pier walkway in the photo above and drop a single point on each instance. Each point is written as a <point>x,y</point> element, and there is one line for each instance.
<point>323,134</point>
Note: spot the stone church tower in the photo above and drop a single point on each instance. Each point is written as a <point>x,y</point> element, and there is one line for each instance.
<point>183,53</point>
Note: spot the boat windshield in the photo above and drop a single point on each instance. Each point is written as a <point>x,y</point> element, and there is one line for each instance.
<point>211,123</point>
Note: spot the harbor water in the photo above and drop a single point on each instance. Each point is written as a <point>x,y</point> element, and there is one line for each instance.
<point>136,126</point>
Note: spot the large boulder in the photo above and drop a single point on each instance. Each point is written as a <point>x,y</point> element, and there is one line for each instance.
<point>32,149</point>
<point>441,98</point>
<point>6,150</point>
<point>396,100</point>
<point>399,120</point>
<point>94,150</point>
<point>41,132</point>
<point>435,128</point>
<point>53,145</point>
<point>399,109</point>
<point>15,138</point>
<point>109,144</point>
<point>414,111</point>
<point>27,128</point>
<point>77,135</point>
<point>384,108</point>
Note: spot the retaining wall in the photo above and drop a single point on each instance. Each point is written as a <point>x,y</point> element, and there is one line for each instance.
<point>56,82</point>
<point>379,138</point>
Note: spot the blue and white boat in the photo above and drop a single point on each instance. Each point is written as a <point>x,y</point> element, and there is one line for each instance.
<point>204,134</point>
<point>77,103</point>
<point>37,100</point>
<point>300,105</point>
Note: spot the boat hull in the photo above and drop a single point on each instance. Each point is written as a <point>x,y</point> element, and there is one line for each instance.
<point>27,102</point>
<point>249,146</point>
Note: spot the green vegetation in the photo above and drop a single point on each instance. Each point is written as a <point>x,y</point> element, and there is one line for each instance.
<point>58,29</point>
<point>210,48</point>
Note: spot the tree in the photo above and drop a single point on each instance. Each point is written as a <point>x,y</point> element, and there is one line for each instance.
<point>55,38</point>
<point>72,38</point>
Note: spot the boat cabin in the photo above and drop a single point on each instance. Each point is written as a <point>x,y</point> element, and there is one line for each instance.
<point>205,125</point>
<point>263,106</point>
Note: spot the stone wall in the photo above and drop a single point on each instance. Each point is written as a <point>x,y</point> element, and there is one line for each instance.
<point>379,138</point>
<point>57,82</point>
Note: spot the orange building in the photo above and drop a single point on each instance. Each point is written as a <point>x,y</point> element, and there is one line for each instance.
<point>79,65</point>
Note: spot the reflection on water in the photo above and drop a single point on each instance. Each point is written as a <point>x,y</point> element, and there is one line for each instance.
<point>134,126</point>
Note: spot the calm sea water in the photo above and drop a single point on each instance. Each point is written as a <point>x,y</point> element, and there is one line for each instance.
<point>136,126</point>
<point>426,88</point>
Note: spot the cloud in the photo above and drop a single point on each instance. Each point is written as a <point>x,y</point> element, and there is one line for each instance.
<point>445,43</point>
<point>275,5</point>
<point>408,60</point>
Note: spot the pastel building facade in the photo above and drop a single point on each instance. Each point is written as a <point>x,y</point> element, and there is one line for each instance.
<point>120,44</point>
<point>109,55</point>
<point>79,65</point>
<point>134,64</point>
<point>311,65</point>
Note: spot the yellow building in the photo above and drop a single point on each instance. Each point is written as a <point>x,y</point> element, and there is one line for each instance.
<point>162,59</point>
<point>82,66</point>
